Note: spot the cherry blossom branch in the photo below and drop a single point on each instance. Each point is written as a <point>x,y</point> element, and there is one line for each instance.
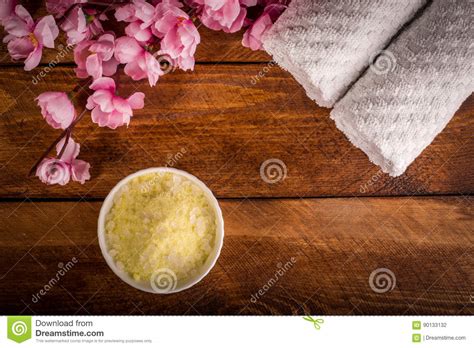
<point>68,136</point>
<point>64,133</point>
<point>153,44</point>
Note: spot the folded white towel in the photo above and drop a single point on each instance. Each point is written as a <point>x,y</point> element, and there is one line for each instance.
<point>413,89</point>
<point>326,45</point>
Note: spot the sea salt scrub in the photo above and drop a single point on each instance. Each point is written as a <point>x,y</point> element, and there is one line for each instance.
<point>160,221</point>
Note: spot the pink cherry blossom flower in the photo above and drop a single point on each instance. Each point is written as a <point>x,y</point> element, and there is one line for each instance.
<point>125,13</point>
<point>59,7</point>
<point>253,36</point>
<point>139,62</point>
<point>144,12</point>
<point>81,53</point>
<point>59,171</point>
<point>108,109</point>
<point>56,109</point>
<point>136,10</point>
<point>6,8</point>
<point>26,38</point>
<point>81,24</point>
<point>226,15</point>
<point>96,58</point>
<point>179,36</point>
<point>52,171</point>
<point>138,32</point>
<point>140,15</point>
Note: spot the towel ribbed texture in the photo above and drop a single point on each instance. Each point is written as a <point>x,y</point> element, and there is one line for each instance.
<point>414,87</point>
<point>326,45</point>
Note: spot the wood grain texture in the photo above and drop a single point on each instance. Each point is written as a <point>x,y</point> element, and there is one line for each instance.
<point>215,46</point>
<point>219,125</point>
<point>335,245</point>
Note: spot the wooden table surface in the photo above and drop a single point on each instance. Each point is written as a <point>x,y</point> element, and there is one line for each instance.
<point>331,222</point>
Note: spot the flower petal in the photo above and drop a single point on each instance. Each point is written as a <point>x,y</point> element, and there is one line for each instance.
<point>34,58</point>
<point>134,70</point>
<point>80,171</point>
<point>121,105</point>
<point>127,49</point>
<point>16,26</point>
<point>118,119</point>
<point>53,171</point>
<point>23,13</point>
<point>94,66</point>
<point>104,99</point>
<point>20,48</point>
<point>136,100</point>
<point>100,117</point>
<point>110,67</point>
<point>70,152</point>
<point>103,83</point>
<point>46,31</point>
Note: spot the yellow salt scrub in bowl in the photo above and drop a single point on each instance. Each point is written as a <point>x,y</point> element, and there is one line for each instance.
<point>161,230</point>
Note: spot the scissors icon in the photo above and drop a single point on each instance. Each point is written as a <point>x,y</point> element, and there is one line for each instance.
<point>316,322</point>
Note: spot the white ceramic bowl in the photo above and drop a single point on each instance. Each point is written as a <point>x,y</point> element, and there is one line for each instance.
<point>146,286</point>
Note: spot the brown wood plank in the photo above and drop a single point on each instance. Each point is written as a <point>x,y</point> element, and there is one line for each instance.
<point>214,47</point>
<point>333,245</point>
<point>219,125</point>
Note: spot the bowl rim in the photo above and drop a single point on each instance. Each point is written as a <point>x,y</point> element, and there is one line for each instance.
<point>108,203</point>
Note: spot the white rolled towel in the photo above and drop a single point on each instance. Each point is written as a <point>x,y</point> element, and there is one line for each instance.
<point>326,45</point>
<point>396,109</point>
